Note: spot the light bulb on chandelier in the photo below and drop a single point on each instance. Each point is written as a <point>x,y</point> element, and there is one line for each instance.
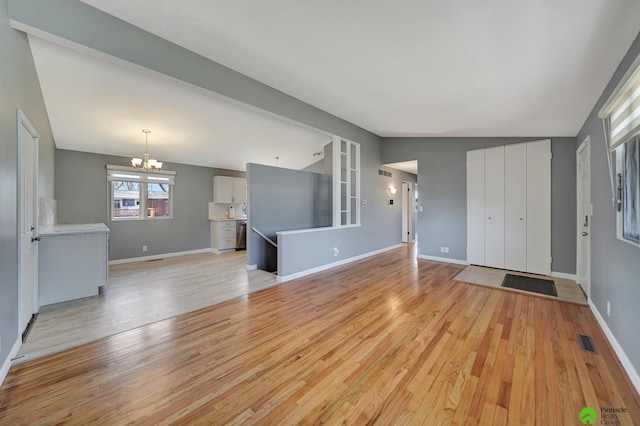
<point>146,163</point>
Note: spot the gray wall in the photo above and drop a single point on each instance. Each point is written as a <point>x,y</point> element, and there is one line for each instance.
<point>615,265</point>
<point>381,223</point>
<point>442,187</point>
<point>283,199</point>
<point>19,88</point>
<point>85,200</point>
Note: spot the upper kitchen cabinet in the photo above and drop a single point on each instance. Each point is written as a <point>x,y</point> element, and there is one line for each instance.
<point>229,189</point>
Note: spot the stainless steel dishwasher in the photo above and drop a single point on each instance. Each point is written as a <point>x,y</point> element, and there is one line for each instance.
<point>241,235</point>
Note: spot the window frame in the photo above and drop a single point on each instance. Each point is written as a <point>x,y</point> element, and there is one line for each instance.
<point>620,115</point>
<point>129,174</point>
<point>349,189</point>
<point>621,174</point>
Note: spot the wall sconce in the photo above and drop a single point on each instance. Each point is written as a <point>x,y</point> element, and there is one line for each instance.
<point>392,190</point>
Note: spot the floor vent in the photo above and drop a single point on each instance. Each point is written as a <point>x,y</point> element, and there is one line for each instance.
<point>27,330</point>
<point>586,342</point>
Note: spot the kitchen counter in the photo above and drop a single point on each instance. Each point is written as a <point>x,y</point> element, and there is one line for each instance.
<point>227,219</point>
<point>85,228</point>
<point>72,262</point>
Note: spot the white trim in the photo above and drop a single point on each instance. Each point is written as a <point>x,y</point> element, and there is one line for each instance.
<point>443,259</point>
<point>158,256</point>
<point>252,267</point>
<point>564,275</point>
<point>221,251</point>
<point>624,359</point>
<point>285,278</point>
<point>6,365</point>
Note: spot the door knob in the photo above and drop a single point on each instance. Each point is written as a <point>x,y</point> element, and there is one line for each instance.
<point>584,234</point>
<point>35,239</point>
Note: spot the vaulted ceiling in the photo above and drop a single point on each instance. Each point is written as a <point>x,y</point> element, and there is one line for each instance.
<point>410,68</point>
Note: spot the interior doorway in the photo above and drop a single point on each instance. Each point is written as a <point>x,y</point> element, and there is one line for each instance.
<point>28,143</point>
<point>583,226</point>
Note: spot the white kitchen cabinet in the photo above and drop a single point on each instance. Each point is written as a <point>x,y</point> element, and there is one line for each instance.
<point>223,236</point>
<point>509,207</point>
<point>229,190</point>
<point>73,262</point>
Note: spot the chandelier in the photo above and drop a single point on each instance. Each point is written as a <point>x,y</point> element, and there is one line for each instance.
<point>146,164</point>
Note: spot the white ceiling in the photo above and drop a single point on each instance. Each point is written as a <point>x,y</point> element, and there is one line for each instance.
<point>407,166</point>
<point>416,67</point>
<point>411,68</point>
<point>95,105</point>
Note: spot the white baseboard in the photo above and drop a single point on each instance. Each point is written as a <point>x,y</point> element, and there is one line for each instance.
<point>158,256</point>
<point>252,267</point>
<point>216,251</point>
<point>443,259</point>
<point>6,365</point>
<point>624,359</point>
<point>282,279</point>
<point>564,275</point>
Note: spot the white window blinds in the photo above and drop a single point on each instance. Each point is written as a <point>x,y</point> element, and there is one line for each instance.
<point>623,112</point>
<point>132,175</point>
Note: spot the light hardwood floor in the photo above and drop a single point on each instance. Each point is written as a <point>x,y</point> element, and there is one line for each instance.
<point>385,340</point>
<point>140,293</point>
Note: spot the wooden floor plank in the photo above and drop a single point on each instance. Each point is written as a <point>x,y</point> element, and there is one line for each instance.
<point>385,340</point>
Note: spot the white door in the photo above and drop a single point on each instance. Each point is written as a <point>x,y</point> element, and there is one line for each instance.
<point>408,204</point>
<point>475,207</point>
<point>583,170</point>
<point>515,213</point>
<point>494,207</point>
<point>27,221</point>
<point>539,207</point>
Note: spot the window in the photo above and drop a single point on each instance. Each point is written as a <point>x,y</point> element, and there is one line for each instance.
<point>627,165</point>
<point>138,195</point>
<point>346,182</point>
<point>621,119</point>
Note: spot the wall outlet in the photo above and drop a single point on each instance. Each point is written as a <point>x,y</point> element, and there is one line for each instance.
<point>444,249</point>
<point>608,308</point>
<point>420,209</point>
<point>336,251</point>
<point>144,247</point>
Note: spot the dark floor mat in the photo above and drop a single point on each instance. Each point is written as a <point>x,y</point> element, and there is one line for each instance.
<point>534,285</point>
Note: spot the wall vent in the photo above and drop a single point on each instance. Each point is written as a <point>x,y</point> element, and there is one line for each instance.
<point>385,173</point>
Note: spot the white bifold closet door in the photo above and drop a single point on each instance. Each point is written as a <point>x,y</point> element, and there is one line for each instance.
<point>494,207</point>
<point>539,207</point>
<point>475,207</point>
<point>515,207</point>
<point>509,207</point>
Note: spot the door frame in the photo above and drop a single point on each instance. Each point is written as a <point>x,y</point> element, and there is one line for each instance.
<point>583,149</point>
<point>23,122</point>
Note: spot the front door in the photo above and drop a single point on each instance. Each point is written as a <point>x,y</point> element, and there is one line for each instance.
<point>583,273</point>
